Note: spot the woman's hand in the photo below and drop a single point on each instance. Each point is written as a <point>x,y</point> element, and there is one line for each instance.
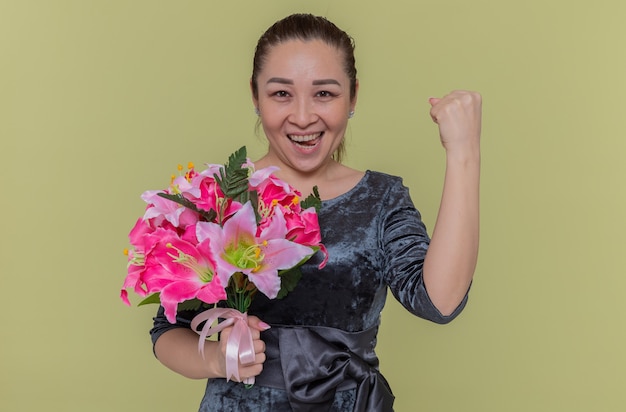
<point>458,115</point>
<point>178,350</point>
<point>251,369</point>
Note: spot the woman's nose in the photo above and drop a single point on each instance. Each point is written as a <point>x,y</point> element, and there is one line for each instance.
<point>302,114</point>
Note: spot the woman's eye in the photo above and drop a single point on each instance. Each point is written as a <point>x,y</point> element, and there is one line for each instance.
<point>281,93</point>
<point>324,93</point>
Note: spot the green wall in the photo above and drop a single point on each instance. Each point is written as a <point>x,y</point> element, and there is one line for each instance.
<point>99,100</point>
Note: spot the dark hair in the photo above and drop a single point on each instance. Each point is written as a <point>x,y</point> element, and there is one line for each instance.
<point>306,27</point>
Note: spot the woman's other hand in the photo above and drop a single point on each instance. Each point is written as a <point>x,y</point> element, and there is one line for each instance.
<point>458,115</point>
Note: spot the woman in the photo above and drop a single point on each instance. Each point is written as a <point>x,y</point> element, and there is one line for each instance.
<point>315,348</point>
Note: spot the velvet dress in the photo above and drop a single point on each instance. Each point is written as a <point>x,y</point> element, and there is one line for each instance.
<point>320,349</point>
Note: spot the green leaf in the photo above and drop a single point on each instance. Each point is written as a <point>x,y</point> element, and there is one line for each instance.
<point>288,281</point>
<point>289,278</point>
<point>232,179</point>
<point>207,215</point>
<point>154,298</point>
<point>193,304</point>
<point>313,200</point>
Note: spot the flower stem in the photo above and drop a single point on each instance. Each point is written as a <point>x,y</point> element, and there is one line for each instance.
<point>240,292</point>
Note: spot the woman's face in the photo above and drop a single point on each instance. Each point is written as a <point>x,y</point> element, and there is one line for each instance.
<point>304,101</point>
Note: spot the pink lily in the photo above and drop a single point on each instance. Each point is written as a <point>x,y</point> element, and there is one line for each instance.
<point>160,209</point>
<point>136,259</point>
<point>259,176</point>
<point>237,248</point>
<point>304,228</point>
<point>182,271</point>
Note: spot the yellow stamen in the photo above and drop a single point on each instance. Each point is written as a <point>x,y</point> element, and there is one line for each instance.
<point>295,200</point>
<point>190,165</point>
<point>179,167</point>
<point>126,251</point>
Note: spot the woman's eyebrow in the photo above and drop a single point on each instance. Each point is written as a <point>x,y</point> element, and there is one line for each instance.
<point>325,81</point>
<point>282,80</point>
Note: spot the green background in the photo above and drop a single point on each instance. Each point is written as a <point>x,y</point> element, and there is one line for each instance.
<point>100,100</point>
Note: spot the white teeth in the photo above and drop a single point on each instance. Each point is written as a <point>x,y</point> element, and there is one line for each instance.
<point>305,138</point>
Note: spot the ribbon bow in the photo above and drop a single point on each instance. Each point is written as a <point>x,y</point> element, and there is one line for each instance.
<point>312,363</point>
<point>239,345</point>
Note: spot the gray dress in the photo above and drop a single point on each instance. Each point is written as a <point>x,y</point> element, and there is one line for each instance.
<point>376,241</point>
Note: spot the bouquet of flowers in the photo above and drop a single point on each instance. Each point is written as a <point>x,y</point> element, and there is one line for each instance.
<point>221,235</point>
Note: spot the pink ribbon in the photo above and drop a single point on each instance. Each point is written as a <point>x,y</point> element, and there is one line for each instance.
<point>239,346</point>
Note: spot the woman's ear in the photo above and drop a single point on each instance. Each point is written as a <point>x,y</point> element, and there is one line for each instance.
<point>255,100</point>
<point>356,94</point>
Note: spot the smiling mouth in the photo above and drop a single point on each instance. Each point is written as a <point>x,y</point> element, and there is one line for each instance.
<point>307,140</point>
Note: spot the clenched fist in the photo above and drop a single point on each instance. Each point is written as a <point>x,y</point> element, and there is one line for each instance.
<point>458,115</point>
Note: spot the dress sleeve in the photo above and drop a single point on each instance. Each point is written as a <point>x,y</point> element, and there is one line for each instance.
<point>161,324</point>
<point>404,241</point>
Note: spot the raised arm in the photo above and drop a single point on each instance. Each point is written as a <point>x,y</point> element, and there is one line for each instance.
<point>453,252</point>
